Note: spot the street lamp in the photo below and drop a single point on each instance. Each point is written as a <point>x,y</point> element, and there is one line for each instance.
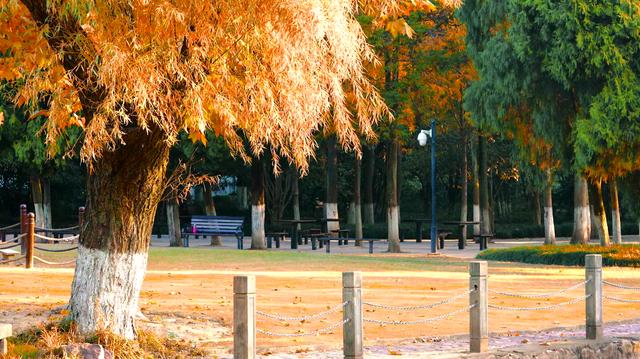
<point>422,140</point>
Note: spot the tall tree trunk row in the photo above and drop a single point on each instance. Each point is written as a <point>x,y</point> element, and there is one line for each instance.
<point>581,211</point>
<point>616,226</point>
<point>331,200</point>
<point>258,208</point>
<point>393,208</point>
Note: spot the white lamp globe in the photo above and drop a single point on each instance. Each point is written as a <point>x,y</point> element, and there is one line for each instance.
<point>422,138</point>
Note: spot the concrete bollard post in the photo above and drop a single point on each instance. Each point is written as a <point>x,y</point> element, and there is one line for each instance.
<point>30,240</point>
<point>244,317</point>
<point>352,329</point>
<point>5,332</point>
<point>593,291</point>
<point>478,314</point>
<point>23,228</point>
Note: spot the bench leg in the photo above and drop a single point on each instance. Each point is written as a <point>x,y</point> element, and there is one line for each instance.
<point>278,242</point>
<point>269,240</point>
<point>328,246</point>
<point>320,243</point>
<point>370,247</point>
<point>441,240</point>
<point>339,242</point>
<point>314,244</point>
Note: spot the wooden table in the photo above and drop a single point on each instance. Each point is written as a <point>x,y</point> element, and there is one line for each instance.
<point>462,242</point>
<point>295,234</point>
<point>418,222</point>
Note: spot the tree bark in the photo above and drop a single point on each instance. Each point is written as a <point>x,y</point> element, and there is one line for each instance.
<point>538,213</point>
<point>369,173</point>
<point>210,210</point>
<point>173,222</point>
<point>549,226</point>
<point>393,210</point>
<point>581,216</point>
<point>485,210</point>
<point>600,214</point>
<point>123,192</point>
<point>476,190</point>
<point>331,199</point>
<point>41,195</point>
<point>258,208</point>
<point>356,200</point>
<point>616,226</point>
<point>464,173</point>
<point>296,194</point>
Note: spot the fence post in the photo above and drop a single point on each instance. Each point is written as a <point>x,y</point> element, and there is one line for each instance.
<point>244,317</point>
<point>478,314</point>
<point>23,228</point>
<point>593,291</point>
<point>352,314</point>
<point>30,240</point>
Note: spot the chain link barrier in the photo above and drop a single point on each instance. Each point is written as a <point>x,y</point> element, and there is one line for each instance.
<point>621,286</point>
<point>305,318</point>
<point>11,226</point>
<point>56,230</point>
<point>622,300</point>
<point>12,260</point>
<point>543,295</point>
<point>553,306</point>
<point>421,321</point>
<point>67,239</point>
<point>418,307</point>
<point>310,334</point>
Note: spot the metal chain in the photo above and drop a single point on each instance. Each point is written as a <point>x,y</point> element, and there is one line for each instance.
<point>416,307</point>
<point>543,295</point>
<point>306,317</point>
<point>421,321</point>
<point>12,260</point>
<point>11,226</point>
<point>616,299</point>
<point>11,246</point>
<point>56,250</point>
<point>310,334</point>
<point>56,230</point>
<point>573,301</point>
<point>616,285</point>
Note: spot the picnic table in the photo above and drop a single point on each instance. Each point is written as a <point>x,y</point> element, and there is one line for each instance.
<point>461,225</point>
<point>418,222</point>
<point>295,233</point>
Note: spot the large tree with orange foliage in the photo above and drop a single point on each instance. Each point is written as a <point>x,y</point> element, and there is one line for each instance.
<point>134,74</point>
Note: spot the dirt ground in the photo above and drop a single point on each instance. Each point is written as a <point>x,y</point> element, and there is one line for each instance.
<point>196,303</point>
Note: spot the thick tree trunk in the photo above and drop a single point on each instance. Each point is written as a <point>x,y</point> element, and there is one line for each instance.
<point>173,223</point>
<point>581,216</point>
<point>476,190</point>
<point>393,209</point>
<point>536,203</point>
<point>331,200</point>
<point>464,173</point>
<point>41,195</point>
<point>210,210</point>
<point>549,226</point>
<point>485,210</point>
<point>356,200</point>
<point>616,226</point>
<point>369,173</point>
<point>123,192</point>
<point>600,214</point>
<point>258,208</point>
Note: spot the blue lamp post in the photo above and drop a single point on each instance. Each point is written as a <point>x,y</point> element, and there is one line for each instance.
<point>422,140</point>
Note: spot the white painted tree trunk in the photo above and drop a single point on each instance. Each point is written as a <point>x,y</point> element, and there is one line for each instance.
<point>393,226</point>
<point>351,215</point>
<point>476,218</point>
<point>549,226</point>
<point>358,224</point>
<point>581,212</point>
<point>331,211</point>
<point>105,289</point>
<point>616,225</point>
<point>257,226</point>
<point>369,217</point>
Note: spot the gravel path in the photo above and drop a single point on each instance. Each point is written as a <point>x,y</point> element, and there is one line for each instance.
<point>452,347</point>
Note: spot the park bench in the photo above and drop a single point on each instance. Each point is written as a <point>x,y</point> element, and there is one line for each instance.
<point>215,226</point>
<point>327,242</point>
<point>8,254</point>
<point>5,332</point>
